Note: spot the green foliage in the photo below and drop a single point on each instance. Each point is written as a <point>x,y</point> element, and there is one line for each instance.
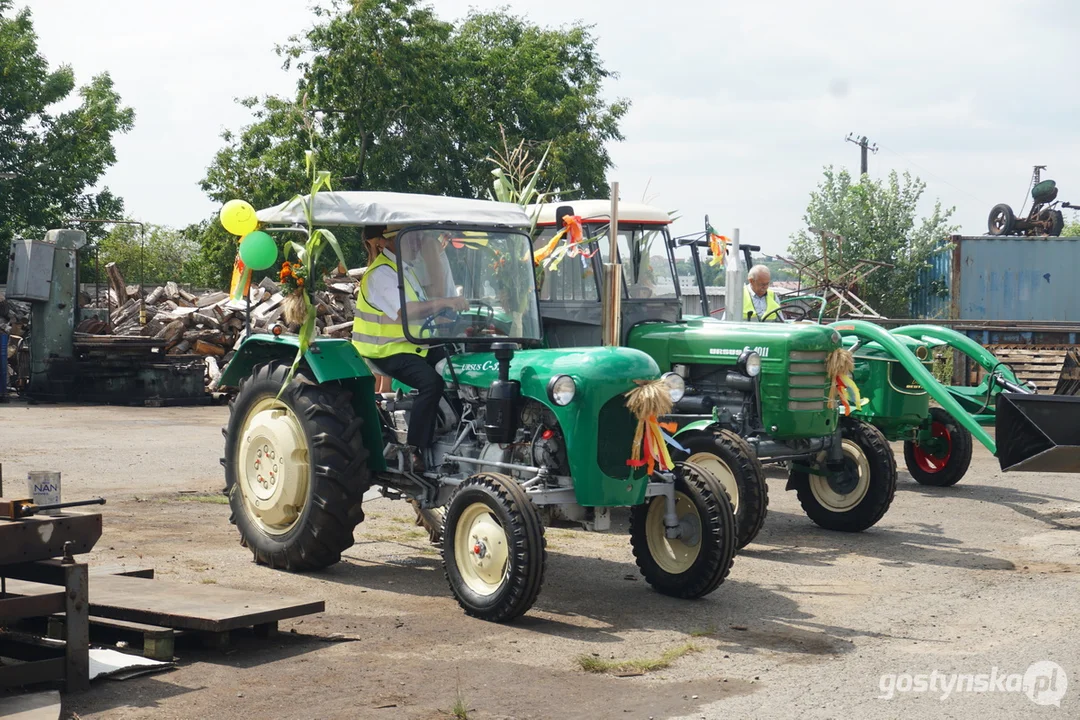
<point>58,156</point>
<point>1071,229</point>
<point>149,257</point>
<point>878,222</point>
<point>403,101</point>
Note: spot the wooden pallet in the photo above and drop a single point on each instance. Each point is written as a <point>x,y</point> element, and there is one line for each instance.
<point>152,607</point>
<point>1040,365</point>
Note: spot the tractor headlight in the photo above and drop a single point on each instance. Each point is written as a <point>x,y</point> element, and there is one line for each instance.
<point>835,337</point>
<point>750,363</point>
<point>676,385</point>
<point>561,389</point>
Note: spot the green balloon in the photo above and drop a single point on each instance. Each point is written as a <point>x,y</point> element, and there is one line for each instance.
<point>258,250</point>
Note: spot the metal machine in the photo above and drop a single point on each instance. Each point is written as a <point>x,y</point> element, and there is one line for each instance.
<point>68,366</point>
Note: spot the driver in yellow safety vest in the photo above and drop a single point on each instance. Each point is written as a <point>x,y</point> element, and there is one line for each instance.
<point>379,336</point>
<point>759,302</point>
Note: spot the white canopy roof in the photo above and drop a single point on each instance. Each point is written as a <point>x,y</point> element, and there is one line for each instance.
<point>599,210</point>
<point>390,208</point>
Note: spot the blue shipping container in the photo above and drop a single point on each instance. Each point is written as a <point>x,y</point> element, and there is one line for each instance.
<point>932,297</point>
<point>1017,278</point>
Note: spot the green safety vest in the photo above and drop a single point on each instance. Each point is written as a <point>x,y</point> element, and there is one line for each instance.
<point>374,334</point>
<point>771,304</point>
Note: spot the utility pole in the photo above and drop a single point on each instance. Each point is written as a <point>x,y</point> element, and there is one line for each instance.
<point>864,146</point>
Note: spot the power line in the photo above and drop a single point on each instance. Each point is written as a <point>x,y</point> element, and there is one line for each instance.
<point>933,175</point>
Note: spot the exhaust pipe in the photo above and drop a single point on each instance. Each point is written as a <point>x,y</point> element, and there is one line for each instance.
<point>1038,433</point>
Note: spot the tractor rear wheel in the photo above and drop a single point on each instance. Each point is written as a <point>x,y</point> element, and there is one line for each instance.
<point>859,496</point>
<point>295,469</point>
<point>735,465</point>
<point>695,563</point>
<point>494,551</point>
<point>945,466</point>
<point>1002,220</point>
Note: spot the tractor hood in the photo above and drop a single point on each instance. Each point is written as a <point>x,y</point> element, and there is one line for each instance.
<point>712,341</point>
<point>605,371</point>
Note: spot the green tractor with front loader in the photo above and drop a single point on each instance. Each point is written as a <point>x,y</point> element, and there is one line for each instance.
<point>750,389</point>
<point>523,432</point>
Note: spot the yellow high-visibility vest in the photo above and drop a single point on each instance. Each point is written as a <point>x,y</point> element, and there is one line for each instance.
<point>771,304</point>
<point>374,333</point>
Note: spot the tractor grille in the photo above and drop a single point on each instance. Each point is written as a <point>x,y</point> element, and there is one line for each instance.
<point>616,426</point>
<point>808,383</point>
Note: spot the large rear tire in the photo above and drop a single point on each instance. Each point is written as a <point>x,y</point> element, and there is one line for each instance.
<point>694,564</point>
<point>941,469</point>
<point>295,470</point>
<point>494,551</point>
<point>861,495</point>
<point>735,465</point>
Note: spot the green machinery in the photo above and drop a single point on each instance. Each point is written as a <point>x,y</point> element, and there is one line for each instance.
<point>524,434</point>
<point>757,389</point>
<point>893,370</point>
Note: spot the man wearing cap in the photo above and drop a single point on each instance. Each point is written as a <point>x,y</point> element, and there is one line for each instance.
<point>379,336</point>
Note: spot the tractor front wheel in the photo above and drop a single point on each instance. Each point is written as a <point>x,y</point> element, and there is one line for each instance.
<point>858,496</point>
<point>1002,221</point>
<point>695,563</point>
<point>493,548</point>
<point>735,465</point>
<point>945,463</point>
<point>295,469</point>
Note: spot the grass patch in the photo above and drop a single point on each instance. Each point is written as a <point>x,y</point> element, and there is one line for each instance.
<point>208,581</point>
<point>707,632</point>
<point>212,499</point>
<point>588,663</point>
<point>460,711</point>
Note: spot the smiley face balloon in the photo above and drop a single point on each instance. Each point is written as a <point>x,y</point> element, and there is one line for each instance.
<point>238,217</point>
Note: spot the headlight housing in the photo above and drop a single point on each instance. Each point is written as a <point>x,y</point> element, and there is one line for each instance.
<point>561,389</point>
<point>676,385</point>
<point>750,363</point>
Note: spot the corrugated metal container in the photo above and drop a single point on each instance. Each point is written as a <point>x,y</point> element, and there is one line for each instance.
<point>932,294</point>
<point>1016,278</point>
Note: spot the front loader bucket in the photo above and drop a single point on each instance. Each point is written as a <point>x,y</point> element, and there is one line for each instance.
<point>1038,433</point>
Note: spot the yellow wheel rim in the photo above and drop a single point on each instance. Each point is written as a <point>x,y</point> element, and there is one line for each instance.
<point>723,473</point>
<point>829,498</point>
<point>674,556</point>
<point>273,466</point>
<point>481,550</point>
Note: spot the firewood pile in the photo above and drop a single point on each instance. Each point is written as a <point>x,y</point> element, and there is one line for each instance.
<point>207,324</point>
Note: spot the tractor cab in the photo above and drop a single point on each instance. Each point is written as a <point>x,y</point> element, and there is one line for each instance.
<point>570,279</point>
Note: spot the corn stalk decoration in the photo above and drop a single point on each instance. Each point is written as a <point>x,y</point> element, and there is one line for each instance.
<point>298,307</point>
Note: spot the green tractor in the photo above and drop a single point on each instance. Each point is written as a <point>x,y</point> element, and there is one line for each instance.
<point>523,433</point>
<point>758,390</point>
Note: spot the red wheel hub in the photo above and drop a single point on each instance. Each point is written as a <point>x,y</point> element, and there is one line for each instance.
<point>928,462</point>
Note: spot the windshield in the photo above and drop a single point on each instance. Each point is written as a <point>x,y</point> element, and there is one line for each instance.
<point>643,252</point>
<point>467,285</point>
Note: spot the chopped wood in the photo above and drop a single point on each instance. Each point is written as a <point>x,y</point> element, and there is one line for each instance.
<point>210,299</point>
<point>202,347</point>
<point>172,290</point>
<point>117,286</point>
<point>269,285</point>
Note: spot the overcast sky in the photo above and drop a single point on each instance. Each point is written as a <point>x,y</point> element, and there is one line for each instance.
<point>736,106</point>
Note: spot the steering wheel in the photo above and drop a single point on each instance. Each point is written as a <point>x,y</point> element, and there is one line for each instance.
<point>428,327</point>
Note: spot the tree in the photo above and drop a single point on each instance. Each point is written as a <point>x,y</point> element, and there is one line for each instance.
<point>1071,229</point>
<point>57,157</point>
<point>152,254</point>
<point>393,98</point>
<point>877,220</point>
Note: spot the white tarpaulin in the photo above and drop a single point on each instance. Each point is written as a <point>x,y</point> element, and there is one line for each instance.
<point>388,208</point>
<point>121,666</point>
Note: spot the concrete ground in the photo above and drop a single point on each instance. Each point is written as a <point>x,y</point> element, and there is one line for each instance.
<point>977,580</point>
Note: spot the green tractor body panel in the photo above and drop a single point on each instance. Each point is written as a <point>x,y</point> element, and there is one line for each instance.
<point>597,427</point>
<point>899,348</point>
<point>897,403</point>
<point>330,360</point>
<point>794,384</point>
